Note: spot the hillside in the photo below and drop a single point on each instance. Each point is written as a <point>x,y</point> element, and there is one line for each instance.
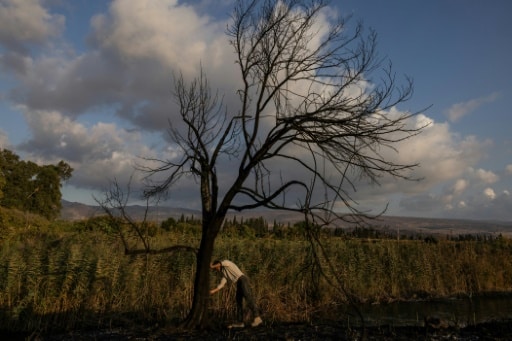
<point>390,224</point>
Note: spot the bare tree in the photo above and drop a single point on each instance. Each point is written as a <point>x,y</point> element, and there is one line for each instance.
<point>131,230</point>
<point>308,102</point>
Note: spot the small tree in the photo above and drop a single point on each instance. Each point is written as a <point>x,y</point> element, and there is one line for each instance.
<point>31,187</point>
<point>306,106</point>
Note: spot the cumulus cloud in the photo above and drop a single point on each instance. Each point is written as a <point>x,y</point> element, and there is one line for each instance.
<point>27,22</point>
<point>124,79</point>
<point>442,155</point>
<point>95,152</point>
<point>170,33</point>
<point>469,196</point>
<point>489,193</point>
<point>444,159</point>
<point>137,47</point>
<point>484,176</point>
<point>459,110</point>
<point>460,186</point>
<point>490,204</point>
<point>486,204</point>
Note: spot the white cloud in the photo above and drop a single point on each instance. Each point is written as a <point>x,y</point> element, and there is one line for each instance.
<point>485,204</point>
<point>423,121</point>
<point>460,186</point>
<point>442,155</point>
<point>487,177</point>
<point>126,76</point>
<point>97,153</point>
<point>23,22</point>
<point>459,110</point>
<point>489,205</point>
<point>170,33</point>
<point>489,193</point>
<point>137,46</point>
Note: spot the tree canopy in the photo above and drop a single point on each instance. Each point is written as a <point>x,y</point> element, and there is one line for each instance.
<point>31,187</point>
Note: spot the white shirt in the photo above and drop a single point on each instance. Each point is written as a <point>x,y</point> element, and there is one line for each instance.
<point>229,272</point>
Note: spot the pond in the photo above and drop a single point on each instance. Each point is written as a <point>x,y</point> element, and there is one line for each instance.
<point>460,311</point>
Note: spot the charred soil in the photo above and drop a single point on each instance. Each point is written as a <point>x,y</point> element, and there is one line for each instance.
<point>492,330</point>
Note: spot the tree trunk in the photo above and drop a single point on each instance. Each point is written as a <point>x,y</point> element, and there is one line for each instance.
<point>198,315</point>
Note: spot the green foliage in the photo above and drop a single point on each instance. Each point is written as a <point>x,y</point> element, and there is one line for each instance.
<point>168,224</point>
<point>12,220</point>
<point>98,223</point>
<point>29,187</point>
<point>252,227</point>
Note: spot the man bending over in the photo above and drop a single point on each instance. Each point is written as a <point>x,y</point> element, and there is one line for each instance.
<point>230,272</point>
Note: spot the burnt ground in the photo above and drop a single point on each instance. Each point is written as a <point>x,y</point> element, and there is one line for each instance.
<point>493,330</point>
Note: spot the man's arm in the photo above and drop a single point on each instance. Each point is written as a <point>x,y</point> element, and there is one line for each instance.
<point>220,286</point>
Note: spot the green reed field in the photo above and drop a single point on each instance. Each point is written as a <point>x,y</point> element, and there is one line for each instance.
<point>66,276</point>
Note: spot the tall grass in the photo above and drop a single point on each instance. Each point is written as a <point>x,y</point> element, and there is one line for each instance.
<point>69,280</point>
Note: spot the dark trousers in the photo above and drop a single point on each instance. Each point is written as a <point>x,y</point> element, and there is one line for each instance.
<point>243,290</point>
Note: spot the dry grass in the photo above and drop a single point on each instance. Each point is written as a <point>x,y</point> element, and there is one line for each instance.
<point>69,280</point>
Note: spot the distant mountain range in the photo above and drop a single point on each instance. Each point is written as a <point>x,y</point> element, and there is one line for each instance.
<point>389,224</point>
<point>79,211</point>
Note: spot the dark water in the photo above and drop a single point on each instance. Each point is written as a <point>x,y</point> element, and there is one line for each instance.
<point>455,311</point>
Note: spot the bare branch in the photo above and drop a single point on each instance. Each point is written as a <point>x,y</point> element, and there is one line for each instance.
<point>316,115</point>
<point>115,205</point>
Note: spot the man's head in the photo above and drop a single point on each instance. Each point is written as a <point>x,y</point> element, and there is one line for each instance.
<point>216,265</point>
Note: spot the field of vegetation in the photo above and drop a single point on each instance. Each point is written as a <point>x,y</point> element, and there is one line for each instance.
<point>61,276</point>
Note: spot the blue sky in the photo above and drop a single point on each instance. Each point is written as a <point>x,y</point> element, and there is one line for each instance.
<point>88,82</point>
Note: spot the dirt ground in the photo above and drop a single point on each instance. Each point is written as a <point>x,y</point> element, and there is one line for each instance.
<point>495,330</point>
